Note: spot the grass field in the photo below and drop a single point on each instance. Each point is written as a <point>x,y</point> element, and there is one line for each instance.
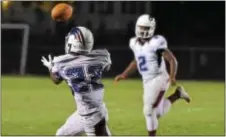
<point>35,106</point>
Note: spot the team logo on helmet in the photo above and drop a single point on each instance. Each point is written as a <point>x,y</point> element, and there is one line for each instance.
<point>78,35</point>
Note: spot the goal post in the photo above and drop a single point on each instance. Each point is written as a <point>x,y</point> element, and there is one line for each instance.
<point>25,40</point>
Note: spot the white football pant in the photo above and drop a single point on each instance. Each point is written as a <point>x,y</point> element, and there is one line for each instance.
<point>154,103</point>
<point>77,125</point>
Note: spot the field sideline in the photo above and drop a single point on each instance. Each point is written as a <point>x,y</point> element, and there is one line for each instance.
<point>35,106</point>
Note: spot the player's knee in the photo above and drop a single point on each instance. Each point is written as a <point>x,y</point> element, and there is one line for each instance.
<point>147,110</point>
<point>60,132</point>
<point>163,108</point>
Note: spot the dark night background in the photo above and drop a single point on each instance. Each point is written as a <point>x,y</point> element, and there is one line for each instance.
<point>195,32</point>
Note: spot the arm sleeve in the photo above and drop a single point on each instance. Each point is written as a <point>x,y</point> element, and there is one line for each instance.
<point>56,70</point>
<point>131,43</point>
<point>108,61</point>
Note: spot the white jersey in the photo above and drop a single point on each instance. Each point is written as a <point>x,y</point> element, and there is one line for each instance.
<point>150,62</point>
<point>83,75</point>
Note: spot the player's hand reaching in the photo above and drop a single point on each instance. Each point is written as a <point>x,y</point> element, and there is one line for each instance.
<point>47,63</point>
<point>127,72</point>
<point>120,77</point>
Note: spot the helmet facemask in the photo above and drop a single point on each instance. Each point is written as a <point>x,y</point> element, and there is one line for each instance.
<point>73,43</point>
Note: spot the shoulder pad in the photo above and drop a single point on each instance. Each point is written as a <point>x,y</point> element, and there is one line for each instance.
<point>159,41</point>
<point>132,42</point>
<point>158,37</point>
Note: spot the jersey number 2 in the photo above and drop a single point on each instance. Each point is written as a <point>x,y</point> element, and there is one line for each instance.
<point>142,63</point>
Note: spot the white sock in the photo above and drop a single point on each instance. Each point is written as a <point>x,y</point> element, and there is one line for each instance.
<point>90,131</point>
<point>108,130</point>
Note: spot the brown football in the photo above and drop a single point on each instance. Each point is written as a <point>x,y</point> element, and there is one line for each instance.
<point>61,12</point>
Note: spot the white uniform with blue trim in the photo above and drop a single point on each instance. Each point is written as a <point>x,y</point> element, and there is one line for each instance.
<point>152,68</point>
<point>83,75</point>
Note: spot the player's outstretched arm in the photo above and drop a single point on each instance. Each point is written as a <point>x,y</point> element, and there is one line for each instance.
<point>128,71</point>
<point>49,64</point>
<point>170,58</point>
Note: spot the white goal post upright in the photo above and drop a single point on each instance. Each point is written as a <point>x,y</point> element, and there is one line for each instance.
<point>24,48</point>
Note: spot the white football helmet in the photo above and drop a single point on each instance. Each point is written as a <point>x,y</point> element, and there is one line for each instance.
<point>145,26</point>
<point>79,40</point>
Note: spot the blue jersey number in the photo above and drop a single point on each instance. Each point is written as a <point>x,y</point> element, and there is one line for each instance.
<point>142,63</point>
<point>81,82</point>
<point>95,73</point>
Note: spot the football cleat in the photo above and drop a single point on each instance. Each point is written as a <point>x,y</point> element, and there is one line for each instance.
<point>183,94</point>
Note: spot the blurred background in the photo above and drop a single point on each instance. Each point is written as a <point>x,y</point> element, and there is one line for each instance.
<point>195,32</point>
